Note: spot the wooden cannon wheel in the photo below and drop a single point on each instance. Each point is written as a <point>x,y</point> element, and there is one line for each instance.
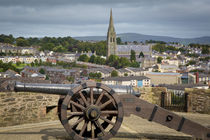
<point>91,111</point>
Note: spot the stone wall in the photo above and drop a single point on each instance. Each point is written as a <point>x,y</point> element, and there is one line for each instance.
<point>198,100</point>
<point>152,94</point>
<point>22,107</point>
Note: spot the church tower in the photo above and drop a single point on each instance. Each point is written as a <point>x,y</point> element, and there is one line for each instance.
<point>111,38</point>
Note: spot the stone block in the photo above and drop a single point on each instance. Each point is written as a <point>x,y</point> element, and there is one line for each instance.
<point>39,97</point>
<point>9,100</point>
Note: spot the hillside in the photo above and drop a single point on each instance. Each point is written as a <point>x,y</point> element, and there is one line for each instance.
<point>141,37</point>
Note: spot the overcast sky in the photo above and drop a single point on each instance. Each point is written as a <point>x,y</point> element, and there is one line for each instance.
<point>38,18</point>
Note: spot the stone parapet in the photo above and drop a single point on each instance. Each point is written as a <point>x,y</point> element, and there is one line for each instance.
<point>23,107</point>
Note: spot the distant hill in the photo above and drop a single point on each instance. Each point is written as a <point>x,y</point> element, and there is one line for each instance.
<point>141,37</point>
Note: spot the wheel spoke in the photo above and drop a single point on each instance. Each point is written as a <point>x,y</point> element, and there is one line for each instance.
<point>100,97</point>
<point>105,104</point>
<point>75,126</point>
<point>91,96</point>
<point>70,117</point>
<point>92,131</point>
<point>83,128</point>
<point>111,112</point>
<point>78,105</point>
<point>105,119</point>
<point>109,96</point>
<point>73,114</point>
<point>83,98</point>
<point>99,125</point>
<point>77,122</point>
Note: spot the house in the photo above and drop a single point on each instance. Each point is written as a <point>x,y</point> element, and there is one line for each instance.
<point>188,78</point>
<point>202,78</point>
<point>135,81</point>
<point>52,60</point>
<point>32,74</point>
<point>105,72</point>
<point>136,71</point>
<point>147,62</point>
<point>123,72</point>
<point>9,73</point>
<point>164,78</point>
<point>26,50</point>
<point>70,56</point>
<point>171,62</point>
<point>167,68</point>
<point>9,49</point>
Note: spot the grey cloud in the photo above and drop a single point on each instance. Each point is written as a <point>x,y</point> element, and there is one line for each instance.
<point>188,18</point>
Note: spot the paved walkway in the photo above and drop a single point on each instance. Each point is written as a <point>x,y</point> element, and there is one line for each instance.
<point>133,128</point>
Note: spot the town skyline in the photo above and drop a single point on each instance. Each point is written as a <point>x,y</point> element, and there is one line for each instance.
<point>76,18</point>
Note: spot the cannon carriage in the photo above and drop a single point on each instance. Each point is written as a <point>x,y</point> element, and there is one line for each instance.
<point>95,111</point>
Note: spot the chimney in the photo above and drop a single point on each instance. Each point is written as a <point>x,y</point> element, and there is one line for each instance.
<point>197,77</point>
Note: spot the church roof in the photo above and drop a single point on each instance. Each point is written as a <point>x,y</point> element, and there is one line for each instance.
<point>137,48</point>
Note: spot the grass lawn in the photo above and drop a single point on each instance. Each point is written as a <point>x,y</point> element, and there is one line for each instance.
<point>21,66</point>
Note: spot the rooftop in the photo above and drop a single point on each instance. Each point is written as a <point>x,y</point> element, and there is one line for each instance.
<point>161,73</point>
<point>137,48</point>
<point>125,78</point>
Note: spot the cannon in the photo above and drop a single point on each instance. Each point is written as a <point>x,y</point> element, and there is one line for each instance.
<point>95,111</point>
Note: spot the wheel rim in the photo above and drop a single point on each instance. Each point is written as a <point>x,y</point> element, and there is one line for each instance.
<point>98,104</point>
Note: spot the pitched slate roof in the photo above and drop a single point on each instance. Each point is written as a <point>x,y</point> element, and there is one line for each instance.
<point>137,48</point>
<point>129,78</point>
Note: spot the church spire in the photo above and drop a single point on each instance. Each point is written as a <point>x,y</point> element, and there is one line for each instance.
<point>111,23</point>
<point>111,38</point>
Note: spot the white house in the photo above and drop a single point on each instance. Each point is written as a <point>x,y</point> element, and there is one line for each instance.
<point>135,81</point>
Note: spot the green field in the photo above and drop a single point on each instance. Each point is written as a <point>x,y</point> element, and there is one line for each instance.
<point>21,66</point>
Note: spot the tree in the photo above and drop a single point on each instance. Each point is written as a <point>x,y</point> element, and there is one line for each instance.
<point>36,62</point>
<point>191,62</point>
<point>70,79</point>
<point>96,75</point>
<point>83,58</point>
<point>92,59</point>
<point>18,63</point>
<point>47,77</point>
<point>159,47</point>
<point>40,62</point>
<point>159,60</point>
<point>119,41</point>
<point>59,48</point>
<point>126,74</point>
<point>133,56</point>
<point>114,73</point>
<point>47,46</point>
<point>42,71</point>
<point>205,50</point>
<point>135,64</point>
<point>123,62</point>
<point>22,42</point>
<point>135,42</point>
<point>32,64</point>
<point>141,54</point>
<point>112,60</point>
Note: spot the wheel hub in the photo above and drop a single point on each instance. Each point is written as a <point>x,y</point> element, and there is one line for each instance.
<point>93,113</point>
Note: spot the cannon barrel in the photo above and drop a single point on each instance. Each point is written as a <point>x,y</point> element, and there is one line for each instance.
<point>63,89</point>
